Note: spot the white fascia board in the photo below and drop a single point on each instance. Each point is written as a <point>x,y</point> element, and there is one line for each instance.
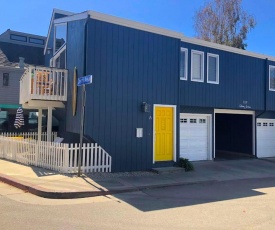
<point>74,17</point>
<point>50,27</point>
<point>213,45</point>
<point>134,25</point>
<point>58,11</point>
<point>119,21</point>
<point>156,30</point>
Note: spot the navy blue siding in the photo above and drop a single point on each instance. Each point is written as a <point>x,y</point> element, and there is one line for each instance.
<point>75,58</point>
<point>241,78</point>
<point>129,67</point>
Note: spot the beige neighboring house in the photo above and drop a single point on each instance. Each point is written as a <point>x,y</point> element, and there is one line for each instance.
<point>10,74</point>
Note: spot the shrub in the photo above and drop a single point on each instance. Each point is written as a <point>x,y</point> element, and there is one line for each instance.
<point>186,164</point>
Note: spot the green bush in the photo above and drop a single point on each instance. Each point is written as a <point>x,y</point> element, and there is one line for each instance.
<point>186,164</point>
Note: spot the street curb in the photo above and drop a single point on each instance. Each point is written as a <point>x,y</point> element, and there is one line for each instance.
<point>50,194</point>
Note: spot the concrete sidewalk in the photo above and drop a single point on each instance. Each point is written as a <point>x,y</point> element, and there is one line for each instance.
<point>49,184</point>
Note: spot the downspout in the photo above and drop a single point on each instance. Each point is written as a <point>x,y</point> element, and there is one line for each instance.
<point>265,101</point>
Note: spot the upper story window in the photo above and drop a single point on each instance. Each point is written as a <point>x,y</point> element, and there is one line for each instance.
<point>18,38</point>
<point>36,41</point>
<point>272,78</point>
<point>5,79</point>
<point>183,63</point>
<point>212,68</point>
<point>60,36</point>
<point>197,66</point>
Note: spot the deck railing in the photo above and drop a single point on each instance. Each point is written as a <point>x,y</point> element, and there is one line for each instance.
<point>55,156</point>
<point>42,83</point>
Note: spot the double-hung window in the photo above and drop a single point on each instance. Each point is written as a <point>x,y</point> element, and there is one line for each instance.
<point>183,63</point>
<point>212,68</point>
<point>272,78</point>
<point>197,66</point>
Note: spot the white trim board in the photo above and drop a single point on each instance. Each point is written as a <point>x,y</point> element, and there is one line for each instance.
<point>216,56</point>
<point>157,30</point>
<point>120,21</point>
<point>52,21</point>
<point>174,127</point>
<point>231,111</point>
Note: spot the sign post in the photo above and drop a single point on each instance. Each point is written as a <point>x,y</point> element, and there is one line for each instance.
<point>82,81</point>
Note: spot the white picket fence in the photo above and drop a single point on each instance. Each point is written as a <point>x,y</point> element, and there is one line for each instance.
<point>30,135</point>
<point>55,156</point>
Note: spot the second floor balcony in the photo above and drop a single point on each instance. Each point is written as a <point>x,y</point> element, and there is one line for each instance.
<point>43,84</point>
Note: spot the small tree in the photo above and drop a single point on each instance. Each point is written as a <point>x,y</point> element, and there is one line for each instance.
<point>224,22</point>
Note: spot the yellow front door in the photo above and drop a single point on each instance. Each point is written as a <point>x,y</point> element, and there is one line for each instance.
<point>164,133</point>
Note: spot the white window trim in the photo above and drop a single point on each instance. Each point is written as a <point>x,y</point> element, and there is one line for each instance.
<point>270,67</point>
<point>57,55</point>
<point>54,43</point>
<point>202,66</point>
<point>217,69</point>
<point>186,63</point>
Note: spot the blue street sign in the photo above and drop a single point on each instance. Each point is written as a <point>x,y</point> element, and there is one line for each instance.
<point>84,80</point>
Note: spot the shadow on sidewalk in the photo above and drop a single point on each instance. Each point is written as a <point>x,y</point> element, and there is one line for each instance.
<point>188,195</point>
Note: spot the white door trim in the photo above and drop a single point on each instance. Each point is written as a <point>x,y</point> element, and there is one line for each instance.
<point>209,130</point>
<point>174,127</point>
<point>228,111</point>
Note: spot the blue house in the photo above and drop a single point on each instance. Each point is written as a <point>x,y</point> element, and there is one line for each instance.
<point>157,95</point>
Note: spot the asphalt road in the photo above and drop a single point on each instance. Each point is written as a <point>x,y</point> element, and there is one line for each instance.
<point>241,204</point>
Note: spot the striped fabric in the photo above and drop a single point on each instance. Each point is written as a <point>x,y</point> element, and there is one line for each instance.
<point>19,119</point>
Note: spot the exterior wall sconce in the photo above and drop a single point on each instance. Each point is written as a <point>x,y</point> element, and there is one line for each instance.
<point>145,107</point>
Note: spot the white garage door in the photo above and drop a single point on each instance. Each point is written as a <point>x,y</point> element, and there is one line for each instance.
<point>194,137</point>
<point>265,137</point>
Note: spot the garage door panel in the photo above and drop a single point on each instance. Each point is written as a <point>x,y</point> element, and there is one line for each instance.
<point>265,138</point>
<point>194,137</point>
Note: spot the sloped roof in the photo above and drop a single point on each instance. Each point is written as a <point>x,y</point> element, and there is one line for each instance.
<point>3,58</point>
<point>5,62</point>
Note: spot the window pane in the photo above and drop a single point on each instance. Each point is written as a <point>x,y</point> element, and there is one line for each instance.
<point>212,68</point>
<point>183,57</point>
<point>60,36</point>
<point>272,77</point>
<point>18,38</point>
<point>36,41</point>
<point>197,67</point>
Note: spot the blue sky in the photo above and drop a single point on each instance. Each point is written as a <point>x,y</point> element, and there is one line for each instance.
<point>33,16</point>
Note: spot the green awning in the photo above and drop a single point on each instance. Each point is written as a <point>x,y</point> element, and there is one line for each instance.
<point>8,106</point>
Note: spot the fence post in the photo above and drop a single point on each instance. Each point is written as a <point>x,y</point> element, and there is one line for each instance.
<point>36,152</point>
<point>66,158</point>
